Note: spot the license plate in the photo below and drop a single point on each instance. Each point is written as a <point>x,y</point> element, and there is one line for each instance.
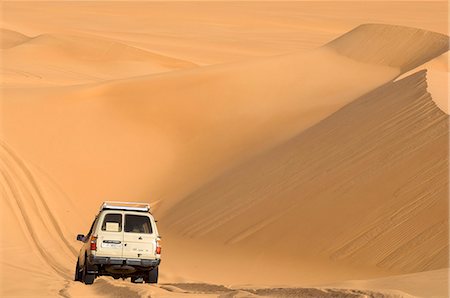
<point>112,245</point>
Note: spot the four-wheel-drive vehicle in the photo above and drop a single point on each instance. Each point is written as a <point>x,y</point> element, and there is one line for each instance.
<point>123,242</point>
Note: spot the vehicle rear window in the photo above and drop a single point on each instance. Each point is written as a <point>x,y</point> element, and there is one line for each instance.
<point>112,222</point>
<point>138,224</point>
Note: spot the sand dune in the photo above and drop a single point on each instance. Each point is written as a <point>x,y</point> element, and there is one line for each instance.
<point>396,46</point>
<point>423,284</point>
<point>294,169</point>
<point>71,59</point>
<point>211,32</point>
<point>41,236</point>
<point>395,137</point>
<point>256,105</point>
<point>216,32</point>
<point>11,38</point>
<point>389,50</point>
<point>437,79</point>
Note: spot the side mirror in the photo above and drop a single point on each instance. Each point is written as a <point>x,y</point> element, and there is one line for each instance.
<point>80,237</point>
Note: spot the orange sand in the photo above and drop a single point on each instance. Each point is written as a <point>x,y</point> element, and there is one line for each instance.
<point>280,144</point>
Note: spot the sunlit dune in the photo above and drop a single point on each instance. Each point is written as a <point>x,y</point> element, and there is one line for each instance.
<point>56,59</point>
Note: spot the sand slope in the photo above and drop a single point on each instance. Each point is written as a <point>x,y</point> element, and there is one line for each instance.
<point>423,284</point>
<point>40,245</point>
<point>396,46</point>
<point>256,105</point>
<point>62,59</point>
<point>11,38</point>
<point>233,154</point>
<point>394,136</point>
<point>211,32</point>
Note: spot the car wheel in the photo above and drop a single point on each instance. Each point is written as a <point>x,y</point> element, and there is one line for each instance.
<point>152,277</point>
<point>88,279</point>
<point>77,272</point>
<point>137,279</point>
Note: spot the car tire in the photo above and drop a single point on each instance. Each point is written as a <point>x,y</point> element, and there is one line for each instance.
<point>137,279</point>
<point>88,279</point>
<point>152,277</point>
<point>78,274</point>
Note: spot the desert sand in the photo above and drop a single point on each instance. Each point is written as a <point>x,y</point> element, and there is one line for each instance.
<point>289,149</point>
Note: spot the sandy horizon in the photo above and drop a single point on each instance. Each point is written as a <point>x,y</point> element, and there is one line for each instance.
<point>288,149</point>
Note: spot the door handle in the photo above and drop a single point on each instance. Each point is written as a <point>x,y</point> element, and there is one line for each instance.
<point>140,238</point>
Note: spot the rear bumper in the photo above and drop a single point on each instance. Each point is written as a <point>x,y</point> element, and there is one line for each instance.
<point>98,260</point>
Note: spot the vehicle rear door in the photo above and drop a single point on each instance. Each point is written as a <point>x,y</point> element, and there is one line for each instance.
<point>110,234</point>
<point>139,236</point>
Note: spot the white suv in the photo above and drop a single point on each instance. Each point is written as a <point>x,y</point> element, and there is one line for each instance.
<point>123,242</point>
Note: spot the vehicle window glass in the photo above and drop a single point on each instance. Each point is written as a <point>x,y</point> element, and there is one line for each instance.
<point>112,222</point>
<point>137,224</point>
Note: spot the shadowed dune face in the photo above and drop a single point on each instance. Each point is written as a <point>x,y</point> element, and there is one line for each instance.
<point>302,167</point>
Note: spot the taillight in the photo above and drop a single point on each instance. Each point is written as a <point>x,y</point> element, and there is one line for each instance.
<point>93,242</point>
<point>158,247</point>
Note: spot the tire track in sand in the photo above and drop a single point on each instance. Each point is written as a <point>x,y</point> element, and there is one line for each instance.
<point>24,195</point>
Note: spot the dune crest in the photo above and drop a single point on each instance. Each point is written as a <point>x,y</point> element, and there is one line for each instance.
<point>396,46</point>
<point>10,38</point>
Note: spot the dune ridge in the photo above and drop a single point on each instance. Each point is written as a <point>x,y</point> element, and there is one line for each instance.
<point>10,38</point>
<point>396,46</point>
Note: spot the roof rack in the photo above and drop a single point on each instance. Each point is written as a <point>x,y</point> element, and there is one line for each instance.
<point>131,206</point>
